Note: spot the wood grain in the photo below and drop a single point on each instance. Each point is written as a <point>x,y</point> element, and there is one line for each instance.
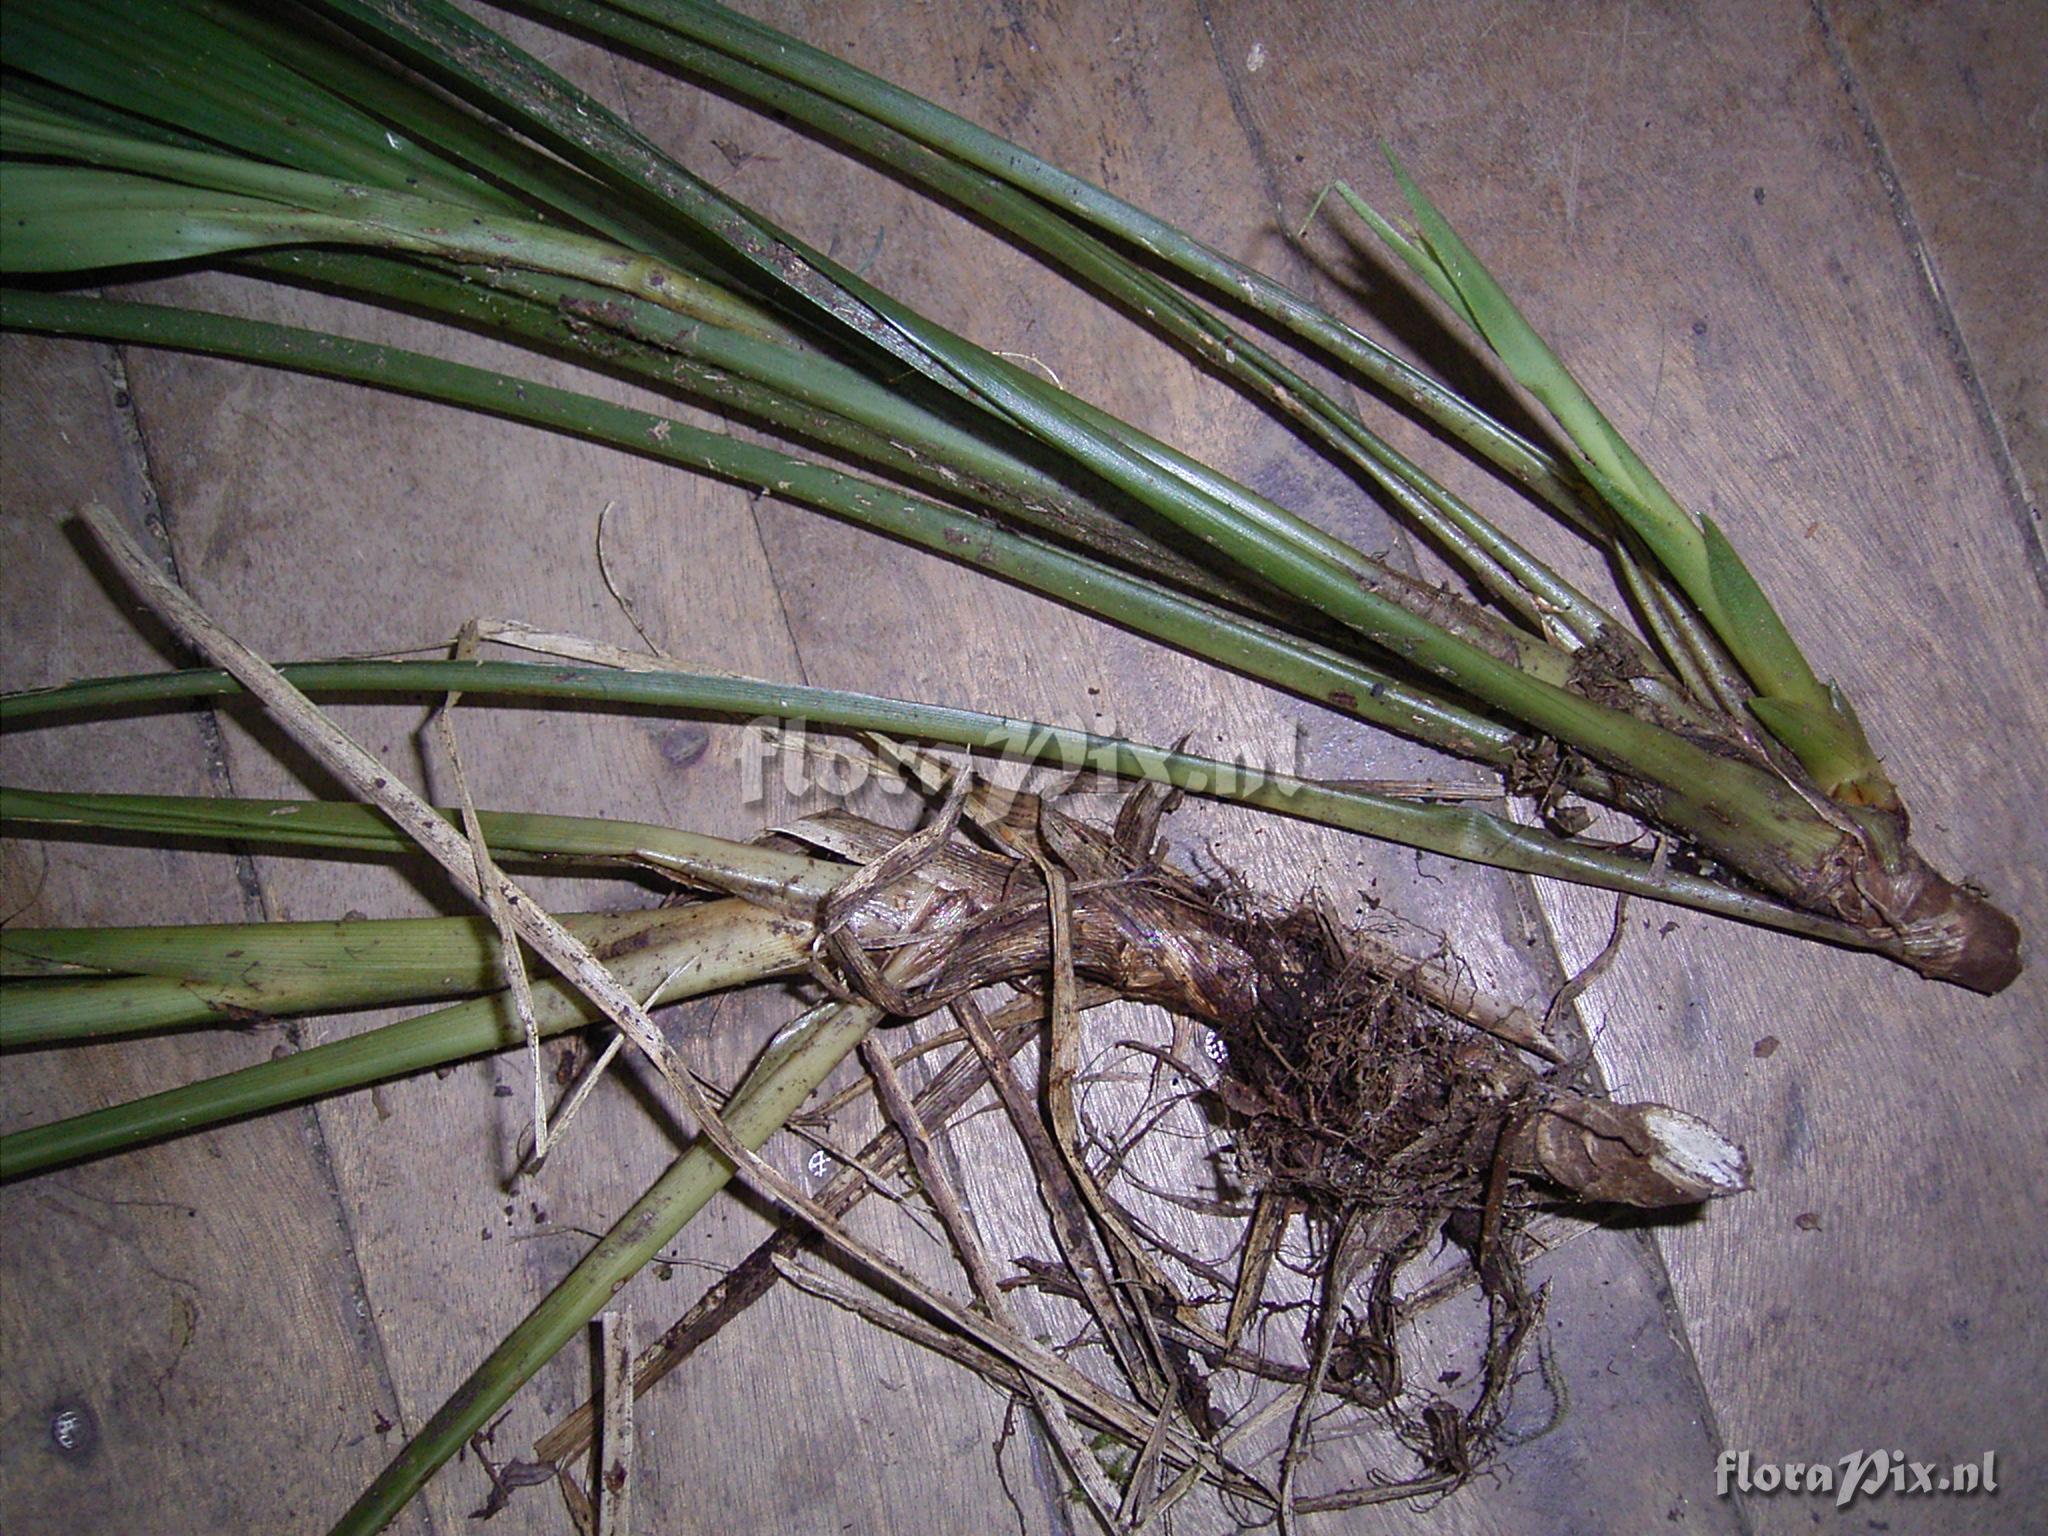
<point>1952,106</point>
<point>1700,224</point>
<point>198,1306</point>
<point>1687,201</point>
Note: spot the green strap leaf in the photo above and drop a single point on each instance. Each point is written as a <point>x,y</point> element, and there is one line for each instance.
<point>71,218</point>
<point>1792,703</point>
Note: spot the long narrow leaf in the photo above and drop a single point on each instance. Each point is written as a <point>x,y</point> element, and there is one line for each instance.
<point>1457,831</point>
<point>1314,672</point>
<point>803,1058</point>
<point>685,951</point>
<point>1799,709</point>
<point>96,983</point>
<point>163,203</point>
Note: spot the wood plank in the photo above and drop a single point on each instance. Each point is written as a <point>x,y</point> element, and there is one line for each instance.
<point>1722,308</point>
<point>1950,98</point>
<point>154,1296</point>
<point>1091,90</point>
<point>1686,201</point>
<point>487,519</point>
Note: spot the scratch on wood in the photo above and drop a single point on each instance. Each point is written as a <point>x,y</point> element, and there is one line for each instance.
<point>2018,500</point>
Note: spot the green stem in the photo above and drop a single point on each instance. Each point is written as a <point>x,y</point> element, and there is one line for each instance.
<point>68,984</point>
<point>767,876</point>
<point>1508,571</point>
<point>1455,831</point>
<point>39,1013</point>
<point>1306,669</point>
<point>686,951</point>
<point>1742,813</point>
<point>931,125</point>
<point>803,1058</point>
<point>1680,632</point>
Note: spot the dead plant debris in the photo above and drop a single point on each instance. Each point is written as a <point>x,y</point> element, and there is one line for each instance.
<point>1367,1128</point>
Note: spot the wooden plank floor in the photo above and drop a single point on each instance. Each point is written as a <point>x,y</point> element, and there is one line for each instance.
<point>1794,250</point>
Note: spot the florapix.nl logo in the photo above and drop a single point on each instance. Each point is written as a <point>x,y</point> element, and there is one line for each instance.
<point>785,754</point>
<point>1858,1475</point>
